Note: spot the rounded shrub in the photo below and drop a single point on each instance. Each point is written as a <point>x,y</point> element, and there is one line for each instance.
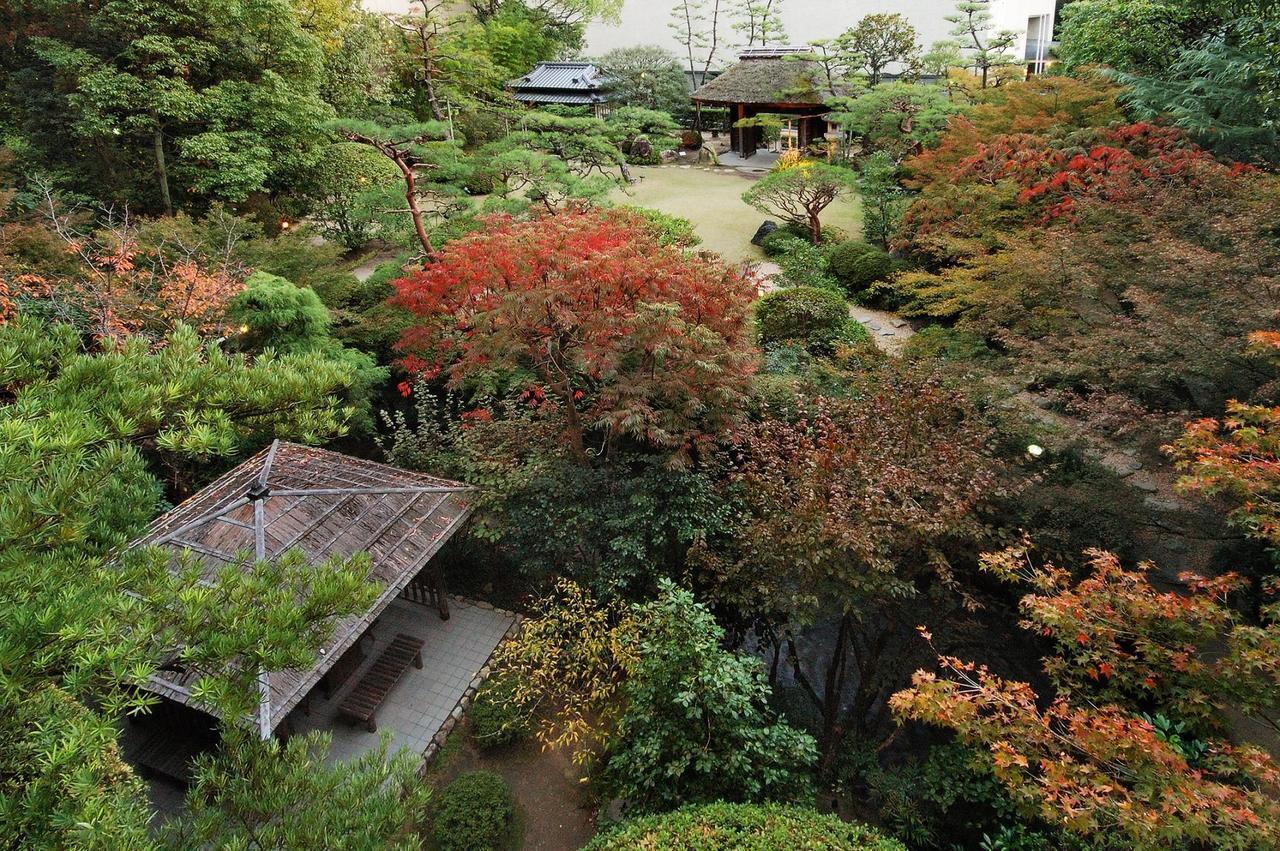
<point>495,717</point>
<point>818,318</point>
<point>474,813</point>
<point>779,241</point>
<point>858,265</point>
<point>742,827</point>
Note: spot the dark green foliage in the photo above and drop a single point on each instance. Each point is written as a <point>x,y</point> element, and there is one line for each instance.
<point>742,827</point>
<point>884,201</point>
<point>495,718</point>
<point>1133,35</point>
<point>631,121</point>
<point>696,725</point>
<point>161,103</point>
<point>347,186</point>
<point>284,795</point>
<point>273,313</point>
<point>818,318</point>
<point>897,119</point>
<point>76,484</point>
<point>931,803</point>
<point>777,242</point>
<point>858,265</point>
<point>647,77</point>
<point>1224,91</point>
<point>805,265</point>
<point>613,527</point>
<point>474,813</point>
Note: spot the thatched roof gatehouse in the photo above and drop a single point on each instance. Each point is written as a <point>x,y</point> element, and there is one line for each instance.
<point>774,80</point>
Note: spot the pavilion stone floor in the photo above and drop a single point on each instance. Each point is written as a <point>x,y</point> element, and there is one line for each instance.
<point>454,652</point>
<point>453,655</point>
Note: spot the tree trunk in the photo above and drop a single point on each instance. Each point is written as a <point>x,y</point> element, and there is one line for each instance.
<point>162,171</point>
<point>411,197</point>
<point>832,728</point>
<point>434,102</point>
<point>815,229</point>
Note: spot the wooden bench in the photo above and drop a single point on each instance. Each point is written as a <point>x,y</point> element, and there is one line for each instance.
<point>362,702</point>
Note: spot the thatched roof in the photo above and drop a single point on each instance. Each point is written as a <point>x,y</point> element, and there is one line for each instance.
<point>764,78</point>
<point>324,504</point>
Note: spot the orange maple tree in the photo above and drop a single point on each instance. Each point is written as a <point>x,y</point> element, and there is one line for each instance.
<point>1237,457</point>
<point>112,286</point>
<point>1134,738</point>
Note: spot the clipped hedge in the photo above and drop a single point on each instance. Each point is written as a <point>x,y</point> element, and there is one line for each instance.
<point>742,827</point>
<point>818,318</point>
<point>474,813</point>
<point>857,265</point>
<point>495,717</point>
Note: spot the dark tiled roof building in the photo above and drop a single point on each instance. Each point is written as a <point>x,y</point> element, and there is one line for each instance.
<point>567,83</point>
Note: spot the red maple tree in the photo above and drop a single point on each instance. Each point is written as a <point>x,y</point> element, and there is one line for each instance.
<point>595,319</point>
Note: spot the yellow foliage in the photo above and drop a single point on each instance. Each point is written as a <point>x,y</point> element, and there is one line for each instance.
<point>792,159</point>
<point>568,663</point>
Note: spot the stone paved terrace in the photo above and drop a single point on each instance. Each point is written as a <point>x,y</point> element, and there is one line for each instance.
<point>454,653</point>
<point>417,707</point>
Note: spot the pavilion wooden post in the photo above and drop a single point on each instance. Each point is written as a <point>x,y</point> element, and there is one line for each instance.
<point>442,599</point>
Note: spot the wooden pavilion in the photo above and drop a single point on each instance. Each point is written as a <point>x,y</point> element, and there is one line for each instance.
<point>771,81</point>
<point>324,504</point>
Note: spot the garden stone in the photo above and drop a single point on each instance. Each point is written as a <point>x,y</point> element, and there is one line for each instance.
<point>766,228</point>
<point>1144,481</point>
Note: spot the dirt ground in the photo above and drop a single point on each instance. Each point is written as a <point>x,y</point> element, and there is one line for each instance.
<point>711,199</point>
<point>555,808</point>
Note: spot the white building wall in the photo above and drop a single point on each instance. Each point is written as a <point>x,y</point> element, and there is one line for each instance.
<point>646,21</point>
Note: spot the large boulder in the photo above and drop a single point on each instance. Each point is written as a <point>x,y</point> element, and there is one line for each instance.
<point>766,228</point>
<point>641,148</point>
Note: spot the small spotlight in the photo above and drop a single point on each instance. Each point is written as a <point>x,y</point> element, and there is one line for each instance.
<point>1035,450</point>
<point>284,225</point>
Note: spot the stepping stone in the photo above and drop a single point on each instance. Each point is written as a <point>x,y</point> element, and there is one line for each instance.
<point>1120,463</point>
<point>1144,481</point>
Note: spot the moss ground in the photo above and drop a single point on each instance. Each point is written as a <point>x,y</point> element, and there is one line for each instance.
<point>712,201</point>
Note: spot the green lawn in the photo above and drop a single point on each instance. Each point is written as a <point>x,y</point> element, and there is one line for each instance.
<point>713,202</point>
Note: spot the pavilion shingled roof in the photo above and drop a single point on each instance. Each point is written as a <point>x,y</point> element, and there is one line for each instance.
<point>324,504</point>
